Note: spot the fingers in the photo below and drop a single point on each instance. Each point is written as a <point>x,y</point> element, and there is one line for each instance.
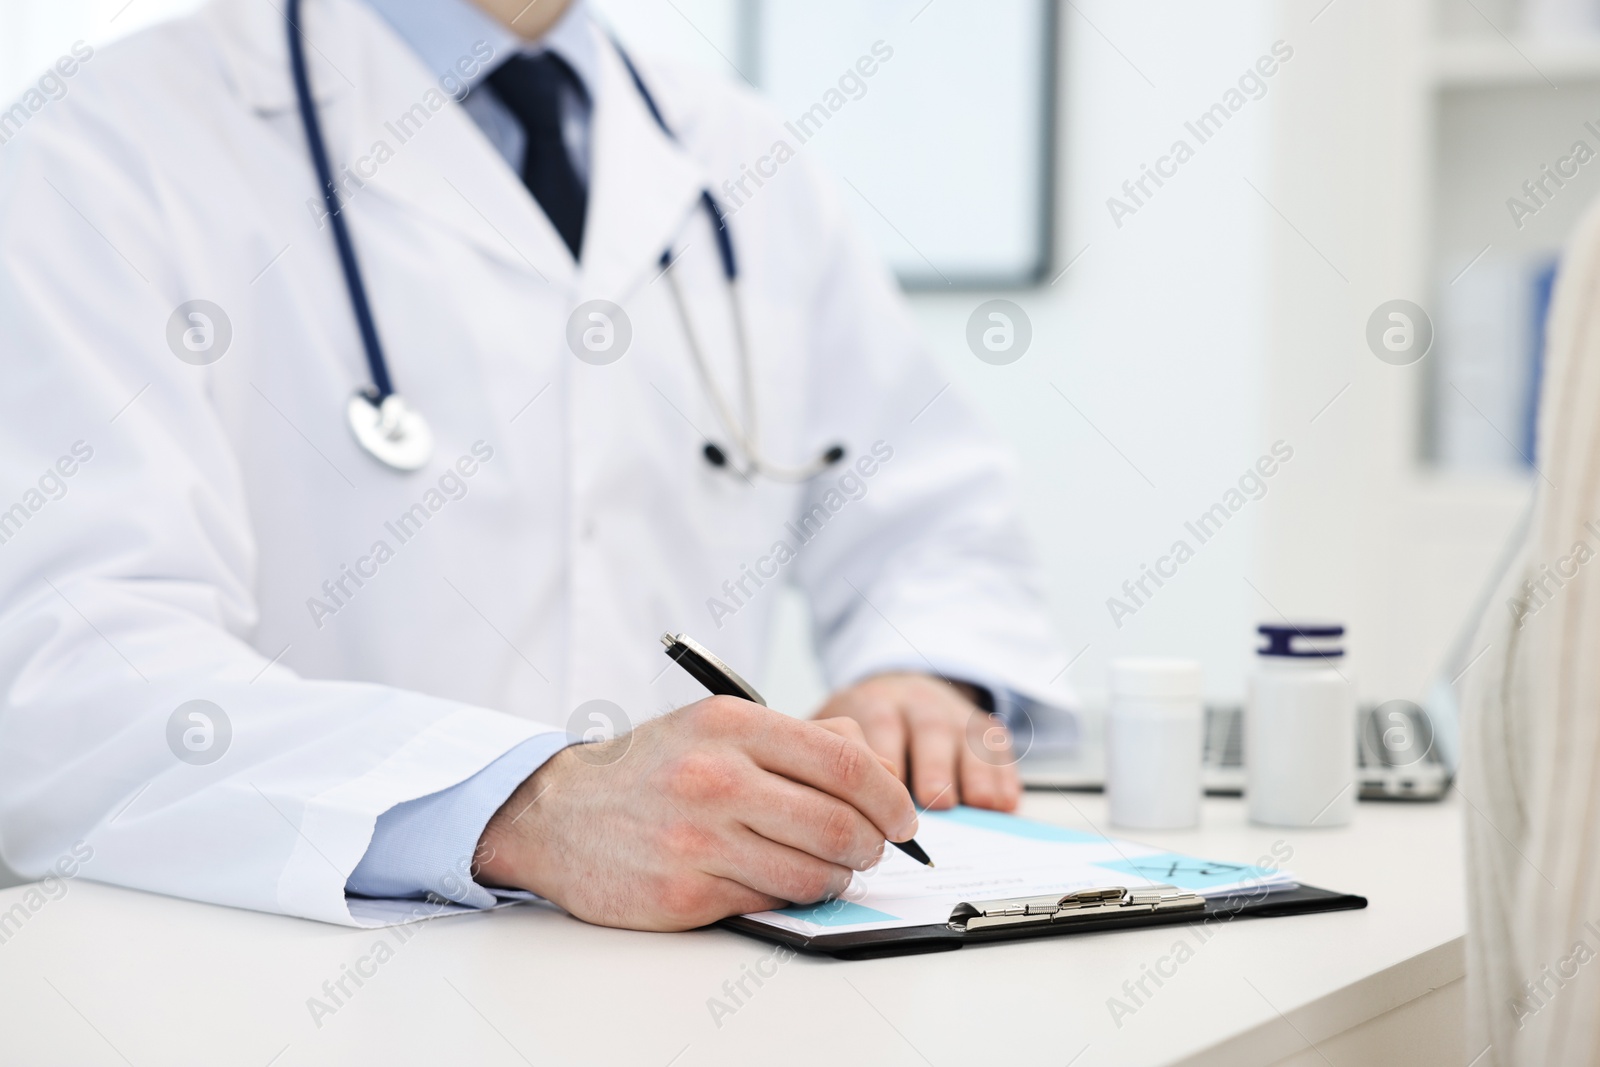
<point>848,729</point>
<point>815,823</point>
<point>958,754</point>
<point>693,901</point>
<point>812,755</point>
<point>884,728</point>
<point>988,772</point>
<point>851,731</point>
<point>736,898</point>
<point>776,870</point>
<point>882,723</point>
<point>936,746</point>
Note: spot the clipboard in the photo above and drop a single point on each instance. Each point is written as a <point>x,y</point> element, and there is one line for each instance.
<point>1081,912</point>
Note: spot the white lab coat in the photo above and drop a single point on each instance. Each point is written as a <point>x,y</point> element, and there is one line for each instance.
<point>185,558</point>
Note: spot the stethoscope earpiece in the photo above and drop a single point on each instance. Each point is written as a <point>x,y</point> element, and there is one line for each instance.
<point>717,458</point>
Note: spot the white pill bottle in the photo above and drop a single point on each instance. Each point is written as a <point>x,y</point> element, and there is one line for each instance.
<point>1154,742</point>
<point>1300,729</point>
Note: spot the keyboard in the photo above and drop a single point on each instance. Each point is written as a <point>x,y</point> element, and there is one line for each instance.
<point>1386,770</point>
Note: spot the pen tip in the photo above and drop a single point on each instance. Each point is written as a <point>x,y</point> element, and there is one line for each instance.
<point>930,863</point>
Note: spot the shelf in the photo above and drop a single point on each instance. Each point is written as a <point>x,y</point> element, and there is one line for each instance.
<point>1464,64</point>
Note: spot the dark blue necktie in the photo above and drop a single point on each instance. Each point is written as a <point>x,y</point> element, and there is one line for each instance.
<point>531,88</point>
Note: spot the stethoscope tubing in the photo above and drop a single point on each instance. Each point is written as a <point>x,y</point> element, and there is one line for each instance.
<point>376,364</point>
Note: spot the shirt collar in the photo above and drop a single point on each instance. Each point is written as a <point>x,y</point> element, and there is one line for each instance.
<point>444,32</point>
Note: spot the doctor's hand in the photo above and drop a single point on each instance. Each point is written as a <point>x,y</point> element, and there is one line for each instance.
<point>720,808</point>
<point>934,736</point>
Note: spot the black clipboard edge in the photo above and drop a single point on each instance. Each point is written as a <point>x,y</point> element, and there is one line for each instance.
<point>914,940</point>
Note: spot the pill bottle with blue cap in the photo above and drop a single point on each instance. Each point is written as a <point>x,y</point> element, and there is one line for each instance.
<point>1300,728</point>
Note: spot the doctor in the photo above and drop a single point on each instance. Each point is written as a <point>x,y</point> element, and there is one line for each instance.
<point>273,637</point>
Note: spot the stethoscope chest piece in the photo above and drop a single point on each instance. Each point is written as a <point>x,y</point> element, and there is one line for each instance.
<point>391,431</point>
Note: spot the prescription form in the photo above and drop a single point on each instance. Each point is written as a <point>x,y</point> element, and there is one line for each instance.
<point>986,855</point>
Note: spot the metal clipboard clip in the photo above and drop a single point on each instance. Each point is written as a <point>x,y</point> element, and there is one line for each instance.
<point>1068,907</point>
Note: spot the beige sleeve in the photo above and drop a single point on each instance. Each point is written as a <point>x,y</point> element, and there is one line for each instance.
<point>1531,779</point>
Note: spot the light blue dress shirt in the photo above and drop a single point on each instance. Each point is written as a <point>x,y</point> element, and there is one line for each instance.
<point>425,846</point>
<point>443,33</point>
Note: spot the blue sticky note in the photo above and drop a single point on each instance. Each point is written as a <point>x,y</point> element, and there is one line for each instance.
<point>838,913</point>
<point>1002,823</point>
<point>1186,872</point>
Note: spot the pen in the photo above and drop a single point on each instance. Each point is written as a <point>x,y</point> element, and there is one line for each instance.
<point>721,679</point>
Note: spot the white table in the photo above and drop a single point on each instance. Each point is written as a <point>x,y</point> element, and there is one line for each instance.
<point>110,976</point>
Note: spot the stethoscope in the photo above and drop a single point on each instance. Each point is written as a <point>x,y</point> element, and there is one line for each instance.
<point>387,427</point>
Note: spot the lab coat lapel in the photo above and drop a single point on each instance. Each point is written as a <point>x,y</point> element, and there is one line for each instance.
<point>253,38</point>
<point>643,186</point>
<point>440,163</point>
<point>391,130</point>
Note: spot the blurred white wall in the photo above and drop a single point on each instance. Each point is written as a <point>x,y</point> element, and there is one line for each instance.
<point>34,33</point>
<point>1140,403</point>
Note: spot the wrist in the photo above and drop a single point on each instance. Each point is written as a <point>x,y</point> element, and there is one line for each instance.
<point>508,852</point>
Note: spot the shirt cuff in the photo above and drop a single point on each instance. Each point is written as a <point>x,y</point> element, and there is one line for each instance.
<point>1032,724</point>
<point>424,847</point>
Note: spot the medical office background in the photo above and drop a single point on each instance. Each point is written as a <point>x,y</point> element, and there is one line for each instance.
<point>1183,328</point>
